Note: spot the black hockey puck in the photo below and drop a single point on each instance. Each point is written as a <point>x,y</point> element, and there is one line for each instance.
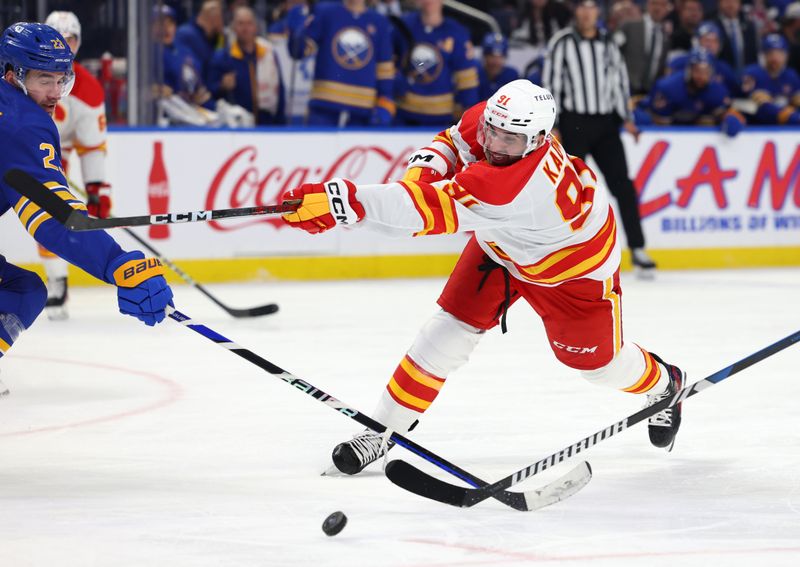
<point>334,523</point>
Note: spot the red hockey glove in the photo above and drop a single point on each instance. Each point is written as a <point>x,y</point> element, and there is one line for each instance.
<point>99,202</point>
<point>324,205</point>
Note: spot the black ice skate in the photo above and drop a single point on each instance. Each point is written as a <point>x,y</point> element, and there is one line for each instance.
<point>3,390</point>
<point>663,426</point>
<point>351,457</point>
<point>56,305</point>
<point>643,264</point>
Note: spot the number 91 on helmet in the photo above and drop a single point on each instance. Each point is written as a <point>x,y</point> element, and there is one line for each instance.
<point>516,121</point>
<point>26,47</point>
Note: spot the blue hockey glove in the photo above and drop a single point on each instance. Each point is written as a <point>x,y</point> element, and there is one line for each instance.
<point>732,124</point>
<point>142,290</point>
<point>381,117</point>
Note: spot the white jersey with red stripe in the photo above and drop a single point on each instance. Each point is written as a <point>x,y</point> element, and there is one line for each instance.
<point>546,218</point>
<point>81,122</point>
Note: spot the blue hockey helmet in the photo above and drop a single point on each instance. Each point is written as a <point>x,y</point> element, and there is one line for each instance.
<point>706,28</point>
<point>774,41</point>
<point>27,46</point>
<point>495,44</point>
<point>701,56</point>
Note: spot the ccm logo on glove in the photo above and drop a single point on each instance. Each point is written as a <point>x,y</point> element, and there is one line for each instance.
<point>337,204</point>
<point>324,205</point>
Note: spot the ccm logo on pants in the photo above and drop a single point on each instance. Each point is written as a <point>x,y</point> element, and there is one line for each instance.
<point>575,349</point>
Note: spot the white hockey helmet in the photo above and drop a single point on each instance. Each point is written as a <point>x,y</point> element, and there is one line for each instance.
<point>65,23</point>
<point>523,108</point>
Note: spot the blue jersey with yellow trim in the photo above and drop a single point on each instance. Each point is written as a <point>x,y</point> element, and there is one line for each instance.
<point>353,69</point>
<point>30,142</point>
<point>777,97</point>
<point>441,78</point>
<point>490,86</point>
<point>673,102</point>
<point>723,73</point>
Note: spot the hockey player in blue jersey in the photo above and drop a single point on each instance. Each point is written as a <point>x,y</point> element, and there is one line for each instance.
<point>694,97</point>
<point>354,70</point>
<point>708,37</point>
<point>494,73</point>
<point>37,73</point>
<point>440,80</point>
<point>774,88</point>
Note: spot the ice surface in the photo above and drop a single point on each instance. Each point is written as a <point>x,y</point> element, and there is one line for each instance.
<point>122,445</point>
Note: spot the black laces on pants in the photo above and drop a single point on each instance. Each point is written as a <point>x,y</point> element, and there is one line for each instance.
<point>487,267</point>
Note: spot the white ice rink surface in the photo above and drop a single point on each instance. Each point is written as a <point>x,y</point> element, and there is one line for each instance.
<point>122,445</point>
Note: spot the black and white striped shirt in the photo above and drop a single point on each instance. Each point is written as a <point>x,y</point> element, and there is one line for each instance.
<point>586,76</point>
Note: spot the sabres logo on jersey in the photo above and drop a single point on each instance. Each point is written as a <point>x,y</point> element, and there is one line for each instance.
<point>425,63</point>
<point>352,48</point>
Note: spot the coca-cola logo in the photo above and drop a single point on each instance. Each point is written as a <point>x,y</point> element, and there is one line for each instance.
<point>243,181</point>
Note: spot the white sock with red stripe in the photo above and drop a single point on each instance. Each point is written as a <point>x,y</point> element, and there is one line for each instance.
<point>443,345</point>
<point>633,370</point>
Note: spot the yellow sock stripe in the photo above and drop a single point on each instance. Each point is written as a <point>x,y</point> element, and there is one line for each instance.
<point>410,399</point>
<point>649,362</point>
<point>613,297</point>
<point>418,376</point>
<point>4,346</point>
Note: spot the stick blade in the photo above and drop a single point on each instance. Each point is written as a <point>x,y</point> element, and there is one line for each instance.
<point>410,478</point>
<point>260,311</point>
<point>560,489</point>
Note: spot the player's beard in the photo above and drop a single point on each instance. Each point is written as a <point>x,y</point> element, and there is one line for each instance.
<point>500,160</point>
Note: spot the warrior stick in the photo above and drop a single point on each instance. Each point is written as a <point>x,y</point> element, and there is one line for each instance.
<point>519,501</point>
<point>419,482</point>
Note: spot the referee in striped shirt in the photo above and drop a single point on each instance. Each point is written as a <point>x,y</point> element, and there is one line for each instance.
<point>587,76</point>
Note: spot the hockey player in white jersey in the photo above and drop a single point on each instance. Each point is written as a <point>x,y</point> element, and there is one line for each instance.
<point>543,231</point>
<point>81,122</point>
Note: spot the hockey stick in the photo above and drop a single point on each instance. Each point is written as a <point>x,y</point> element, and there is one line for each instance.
<point>267,309</point>
<point>29,187</point>
<point>517,500</point>
<point>414,480</point>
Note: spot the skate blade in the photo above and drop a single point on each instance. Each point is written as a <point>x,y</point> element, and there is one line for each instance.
<point>57,313</point>
<point>646,274</point>
<point>333,471</point>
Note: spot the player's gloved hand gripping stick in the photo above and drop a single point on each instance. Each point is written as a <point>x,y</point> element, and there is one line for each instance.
<point>325,211</point>
<point>258,311</point>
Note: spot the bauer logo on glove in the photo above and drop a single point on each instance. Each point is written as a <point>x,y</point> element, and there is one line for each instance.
<point>134,272</point>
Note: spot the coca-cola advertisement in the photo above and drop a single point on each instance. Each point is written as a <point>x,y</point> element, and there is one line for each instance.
<point>698,190</point>
<point>220,170</point>
<point>158,192</point>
